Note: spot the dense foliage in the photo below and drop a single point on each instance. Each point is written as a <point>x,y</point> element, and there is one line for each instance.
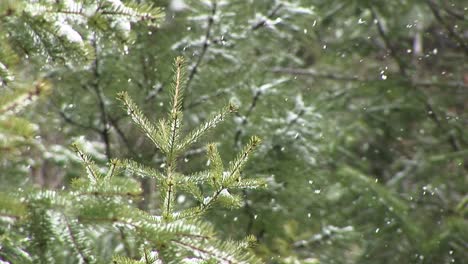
<point>361,105</point>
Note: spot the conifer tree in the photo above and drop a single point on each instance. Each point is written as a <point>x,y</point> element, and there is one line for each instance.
<point>362,107</point>
<point>60,224</point>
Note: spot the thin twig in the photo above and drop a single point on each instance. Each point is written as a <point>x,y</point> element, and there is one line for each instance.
<point>245,117</point>
<point>75,123</point>
<point>125,241</point>
<point>97,89</point>
<point>115,124</point>
<point>206,43</point>
<point>237,139</point>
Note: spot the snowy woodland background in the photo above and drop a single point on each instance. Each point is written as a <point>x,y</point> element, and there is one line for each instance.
<point>361,105</point>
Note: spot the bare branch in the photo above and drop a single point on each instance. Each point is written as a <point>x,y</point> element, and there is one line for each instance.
<point>206,43</point>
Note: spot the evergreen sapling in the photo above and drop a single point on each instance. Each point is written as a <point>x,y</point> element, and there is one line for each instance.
<point>175,235</point>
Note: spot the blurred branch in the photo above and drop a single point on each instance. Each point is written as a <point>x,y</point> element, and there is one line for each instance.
<point>205,98</point>
<point>346,78</point>
<point>321,75</point>
<point>355,78</point>
<point>74,240</point>
<point>75,123</point>
<point>453,13</point>
<point>24,99</point>
<point>206,43</point>
<point>392,50</point>
<point>403,70</point>
<point>237,144</point>
<point>125,242</point>
<point>293,121</point>
<point>437,120</point>
<point>270,15</point>
<point>115,123</point>
<point>102,107</point>
<point>435,11</point>
<point>244,118</point>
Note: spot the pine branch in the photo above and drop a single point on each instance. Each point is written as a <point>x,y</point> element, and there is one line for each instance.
<point>241,160</point>
<point>145,125</point>
<point>141,170</point>
<point>167,197</point>
<point>139,12</point>
<point>41,233</point>
<point>114,164</point>
<point>196,134</point>
<point>208,252</point>
<point>110,194</point>
<point>173,147</point>
<point>135,11</point>
<point>126,260</point>
<point>230,178</point>
<point>91,169</point>
<point>191,188</point>
<point>216,165</point>
<point>176,111</point>
<point>108,187</point>
<point>224,252</point>
<point>77,238</point>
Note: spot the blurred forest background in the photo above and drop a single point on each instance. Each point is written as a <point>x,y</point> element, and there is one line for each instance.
<point>362,106</point>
